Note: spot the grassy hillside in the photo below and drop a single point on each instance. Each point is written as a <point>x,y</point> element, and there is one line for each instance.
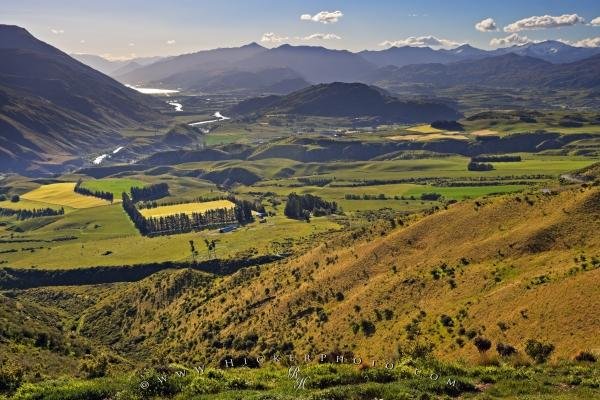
<point>492,267</point>
<point>417,290</point>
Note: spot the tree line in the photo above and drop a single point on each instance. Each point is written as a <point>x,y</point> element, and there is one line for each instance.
<point>150,192</point>
<point>302,206</point>
<point>181,223</point>
<point>477,166</point>
<point>96,193</point>
<point>33,213</point>
<point>503,158</point>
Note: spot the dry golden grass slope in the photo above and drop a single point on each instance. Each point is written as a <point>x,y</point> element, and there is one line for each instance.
<point>509,268</point>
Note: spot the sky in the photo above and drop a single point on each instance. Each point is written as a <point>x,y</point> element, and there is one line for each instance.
<point>139,28</point>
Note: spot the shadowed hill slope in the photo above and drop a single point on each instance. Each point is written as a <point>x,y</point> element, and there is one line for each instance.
<point>53,107</point>
<point>355,100</point>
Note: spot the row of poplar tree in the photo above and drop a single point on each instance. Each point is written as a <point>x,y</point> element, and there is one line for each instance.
<point>181,223</point>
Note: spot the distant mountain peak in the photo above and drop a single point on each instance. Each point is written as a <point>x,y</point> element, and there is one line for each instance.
<point>16,37</point>
<point>252,45</point>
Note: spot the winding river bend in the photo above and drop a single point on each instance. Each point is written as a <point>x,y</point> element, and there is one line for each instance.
<point>98,160</point>
<point>219,117</point>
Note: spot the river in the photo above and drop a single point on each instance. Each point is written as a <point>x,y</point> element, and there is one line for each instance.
<point>98,160</point>
<point>219,117</point>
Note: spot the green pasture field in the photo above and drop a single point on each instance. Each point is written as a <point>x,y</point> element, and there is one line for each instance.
<point>450,167</point>
<point>109,238</point>
<point>106,236</point>
<point>115,186</point>
<point>338,194</point>
<point>352,171</point>
<point>24,204</point>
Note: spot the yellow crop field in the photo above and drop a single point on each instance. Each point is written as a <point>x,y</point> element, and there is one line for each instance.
<point>62,194</point>
<point>432,136</point>
<point>187,208</point>
<point>426,128</point>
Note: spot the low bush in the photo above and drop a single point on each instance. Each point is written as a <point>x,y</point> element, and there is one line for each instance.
<point>538,351</point>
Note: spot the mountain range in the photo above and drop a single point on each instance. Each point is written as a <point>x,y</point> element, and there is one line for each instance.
<point>54,109</point>
<point>508,70</point>
<point>550,50</point>
<point>316,64</point>
<point>249,65</point>
<point>116,67</point>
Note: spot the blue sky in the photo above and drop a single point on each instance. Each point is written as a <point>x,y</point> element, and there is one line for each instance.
<point>127,28</point>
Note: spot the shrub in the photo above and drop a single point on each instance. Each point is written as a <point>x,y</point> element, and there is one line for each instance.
<point>95,367</point>
<point>586,356</point>
<point>505,350</point>
<point>482,344</point>
<point>11,376</point>
<point>475,166</point>
<point>446,320</point>
<point>388,314</point>
<point>204,385</point>
<point>15,198</point>
<point>538,351</point>
<point>367,327</point>
<point>68,389</point>
<point>431,196</point>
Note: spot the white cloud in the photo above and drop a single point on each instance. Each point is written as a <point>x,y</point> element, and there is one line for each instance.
<point>57,31</point>
<point>82,41</point>
<point>486,25</point>
<point>421,41</point>
<point>131,44</point>
<point>170,42</point>
<point>321,36</point>
<point>595,21</point>
<point>326,17</point>
<point>543,22</point>
<point>510,40</point>
<point>587,42</point>
<point>273,38</point>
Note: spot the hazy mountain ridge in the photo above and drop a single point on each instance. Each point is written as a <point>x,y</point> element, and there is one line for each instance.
<point>508,70</point>
<point>114,67</point>
<point>203,61</point>
<point>317,64</point>
<point>311,64</point>
<point>549,50</point>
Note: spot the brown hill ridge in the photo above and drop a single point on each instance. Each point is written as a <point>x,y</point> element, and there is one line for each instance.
<point>508,268</point>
